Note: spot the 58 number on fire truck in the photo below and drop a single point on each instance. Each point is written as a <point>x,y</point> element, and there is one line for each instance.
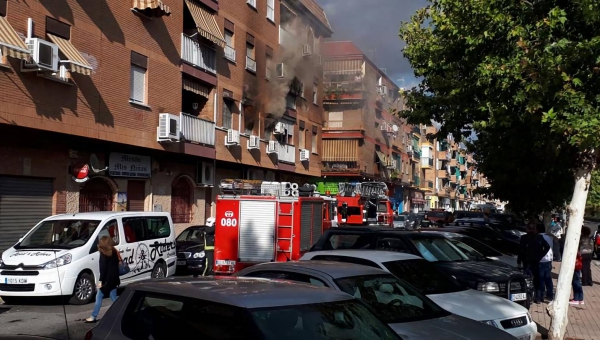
<point>229,220</point>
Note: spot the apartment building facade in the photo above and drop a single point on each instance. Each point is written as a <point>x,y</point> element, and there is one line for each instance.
<point>363,140</point>
<point>76,140</point>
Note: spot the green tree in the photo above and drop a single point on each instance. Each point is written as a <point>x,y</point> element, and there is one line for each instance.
<point>493,66</point>
<point>593,201</point>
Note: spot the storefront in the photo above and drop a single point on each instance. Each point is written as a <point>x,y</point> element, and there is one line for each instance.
<point>417,201</point>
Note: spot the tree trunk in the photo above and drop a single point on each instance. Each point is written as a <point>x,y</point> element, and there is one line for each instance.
<point>559,307</point>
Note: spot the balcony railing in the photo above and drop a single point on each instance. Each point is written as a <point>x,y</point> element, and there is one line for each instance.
<point>250,64</point>
<point>341,166</point>
<point>416,181</point>
<point>442,173</point>
<point>287,153</point>
<point>427,185</point>
<point>197,130</point>
<point>198,54</point>
<point>230,53</point>
<point>427,162</point>
<point>341,124</point>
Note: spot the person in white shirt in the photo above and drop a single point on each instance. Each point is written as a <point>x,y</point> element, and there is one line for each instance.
<point>545,268</point>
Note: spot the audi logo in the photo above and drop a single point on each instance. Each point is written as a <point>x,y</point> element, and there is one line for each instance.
<point>229,214</point>
<point>517,322</point>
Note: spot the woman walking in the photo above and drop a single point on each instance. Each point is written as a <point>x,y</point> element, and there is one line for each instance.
<point>586,245</point>
<point>577,288</point>
<point>109,275</point>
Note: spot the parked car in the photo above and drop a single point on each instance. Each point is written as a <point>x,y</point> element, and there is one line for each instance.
<point>486,235</point>
<point>59,256</point>
<point>400,221</point>
<point>442,289</point>
<point>487,276</point>
<point>460,214</point>
<point>190,250</point>
<point>233,308</point>
<point>440,217</point>
<point>474,248</point>
<point>409,313</point>
<point>506,231</point>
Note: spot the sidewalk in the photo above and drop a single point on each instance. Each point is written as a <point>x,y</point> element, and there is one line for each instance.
<point>584,321</point>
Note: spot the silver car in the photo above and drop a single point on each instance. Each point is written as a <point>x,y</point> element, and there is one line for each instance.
<point>400,221</point>
<point>409,313</point>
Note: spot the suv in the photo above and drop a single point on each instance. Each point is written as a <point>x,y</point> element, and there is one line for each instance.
<point>487,276</point>
<point>440,217</point>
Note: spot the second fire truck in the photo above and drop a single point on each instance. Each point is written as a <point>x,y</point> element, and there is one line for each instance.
<point>364,204</point>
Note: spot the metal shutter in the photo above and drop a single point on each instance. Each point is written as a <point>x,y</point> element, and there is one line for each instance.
<point>136,195</point>
<point>257,231</point>
<point>23,203</point>
<point>317,227</point>
<point>306,214</point>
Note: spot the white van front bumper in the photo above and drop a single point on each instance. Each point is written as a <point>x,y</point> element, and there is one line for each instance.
<point>24,283</point>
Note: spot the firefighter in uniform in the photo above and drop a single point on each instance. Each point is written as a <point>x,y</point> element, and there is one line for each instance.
<point>209,250</point>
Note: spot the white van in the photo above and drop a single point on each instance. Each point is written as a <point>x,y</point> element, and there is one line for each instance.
<point>59,256</point>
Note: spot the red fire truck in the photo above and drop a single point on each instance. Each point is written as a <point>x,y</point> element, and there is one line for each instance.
<point>259,221</point>
<point>365,203</point>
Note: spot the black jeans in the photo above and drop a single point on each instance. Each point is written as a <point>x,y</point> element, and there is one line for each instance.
<point>534,271</point>
<point>586,271</point>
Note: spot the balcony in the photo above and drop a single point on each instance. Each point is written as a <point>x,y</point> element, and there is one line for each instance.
<point>443,156</point>
<point>427,185</point>
<point>430,130</point>
<point>463,182</point>
<point>198,55</point>
<point>343,125</point>
<point>341,166</point>
<point>453,163</point>
<point>196,130</point>
<point>416,130</point>
<point>442,173</point>
<point>453,194</point>
<point>416,181</point>
<point>230,53</point>
<point>426,163</point>
<point>287,153</point>
<point>463,168</point>
<point>416,154</point>
<point>461,196</point>
<point>250,64</point>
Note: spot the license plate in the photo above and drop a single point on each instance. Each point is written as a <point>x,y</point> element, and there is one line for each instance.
<point>225,263</point>
<point>524,337</point>
<point>518,297</point>
<point>15,281</point>
<point>181,263</point>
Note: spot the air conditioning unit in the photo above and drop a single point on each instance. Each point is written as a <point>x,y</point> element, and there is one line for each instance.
<point>280,70</point>
<point>205,173</point>
<point>253,143</point>
<point>44,55</point>
<point>279,128</point>
<point>272,147</point>
<point>383,126</point>
<point>168,128</point>
<point>233,137</point>
<point>304,155</point>
<point>318,60</point>
<point>306,50</point>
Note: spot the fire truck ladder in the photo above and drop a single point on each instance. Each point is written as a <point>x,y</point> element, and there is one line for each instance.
<point>285,230</point>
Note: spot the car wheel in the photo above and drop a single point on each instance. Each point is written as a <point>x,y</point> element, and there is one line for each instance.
<point>159,271</point>
<point>84,290</point>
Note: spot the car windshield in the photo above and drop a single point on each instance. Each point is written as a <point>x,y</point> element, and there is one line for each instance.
<point>424,276</point>
<point>469,251</point>
<point>475,245</point>
<point>435,249</point>
<point>382,207</point>
<point>436,214</point>
<point>345,320</point>
<point>59,234</point>
<point>191,235</point>
<point>393,300</point>
<point>400,218</point>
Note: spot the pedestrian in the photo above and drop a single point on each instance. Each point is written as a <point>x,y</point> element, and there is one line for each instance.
<point>532,248</point>
<point>209,250</point>
<point>597,243</point>
<point>586,246</point>
<point>545,268</point>
<point>556,233</point>
<point>577,287</point>
<point>109,275</point>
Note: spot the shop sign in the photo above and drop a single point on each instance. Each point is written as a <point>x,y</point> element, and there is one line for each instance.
<point>80,172</point>
<point>126,165</point>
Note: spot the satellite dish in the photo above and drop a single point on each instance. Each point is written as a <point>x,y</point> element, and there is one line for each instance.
<point>95,164</point>
<point>395,128</point>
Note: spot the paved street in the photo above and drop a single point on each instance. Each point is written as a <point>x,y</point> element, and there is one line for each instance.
<point>46,319</point>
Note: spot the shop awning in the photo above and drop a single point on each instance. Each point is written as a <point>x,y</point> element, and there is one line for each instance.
<point>206,23</point>
<point>151,8</point>
<point>74,58</point>
<point>194,87</point>
<point>340,150</point>
<point>10,43</point>
<point>383,159</point>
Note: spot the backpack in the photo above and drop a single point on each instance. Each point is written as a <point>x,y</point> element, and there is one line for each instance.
<point>578,262</point>
<point>598,239</point>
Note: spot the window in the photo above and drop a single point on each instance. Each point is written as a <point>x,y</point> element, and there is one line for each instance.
<point>60,234</point>
<point>423,274</point>
<point>301,139</point>
<point>315,147</point>
<point>227,114</point>
<point>154,316</point>
<point>139,66</point>
<point>269,69</point>
<point>302,89</point>
<point>195,235</point>
<point>229,46</point>
<point>250,59</point>
<point>282,275</point>
<point>315,94</point>
<point>271,10</point>
<point>290,101</point>
<point>146,228</point>
<point>346,259</point>
<point>392,244</point>
<point>110,229</point>
<point>437,249</point>
<point>251,3</point>
<point>2,8</point>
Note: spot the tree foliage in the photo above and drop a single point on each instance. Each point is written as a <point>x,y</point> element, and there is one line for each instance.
<point>524,75</point>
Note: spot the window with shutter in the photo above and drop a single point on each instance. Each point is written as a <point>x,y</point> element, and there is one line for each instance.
<point>315,148</point>
<point>138,84</point>
<point>227,114</point>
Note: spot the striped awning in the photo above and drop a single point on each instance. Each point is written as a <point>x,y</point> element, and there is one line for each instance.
<point>340,150</point>
<point>10,43</point>
<point>74,58</point>
<point>353,67</point>
<point>197,88</point>
<point>206,23</point>
<point>152,8</point>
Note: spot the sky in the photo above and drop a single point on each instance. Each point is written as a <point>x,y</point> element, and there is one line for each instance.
<point>373,26</point>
